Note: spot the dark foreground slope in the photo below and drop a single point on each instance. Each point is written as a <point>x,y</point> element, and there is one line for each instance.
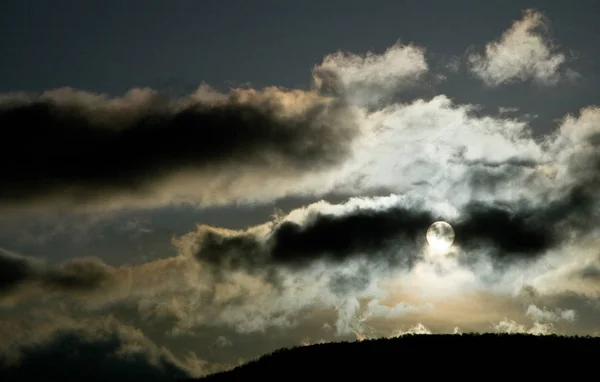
<point>475,357</point>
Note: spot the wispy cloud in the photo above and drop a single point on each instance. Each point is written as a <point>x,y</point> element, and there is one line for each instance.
<point>523,53</point>
<point>371,78</point>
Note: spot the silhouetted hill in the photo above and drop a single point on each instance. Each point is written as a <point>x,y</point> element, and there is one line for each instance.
<point>473,356</point>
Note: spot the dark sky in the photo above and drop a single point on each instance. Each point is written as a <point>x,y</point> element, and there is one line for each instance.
<point>110,46</point>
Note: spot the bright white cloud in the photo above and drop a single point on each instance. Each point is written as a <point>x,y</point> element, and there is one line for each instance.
<point>521,54</point>
<point>513,327</point>
<point>434,147</point>
<point>370,78</point>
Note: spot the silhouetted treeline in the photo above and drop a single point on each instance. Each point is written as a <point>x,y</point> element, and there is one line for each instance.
<point>472,356</point>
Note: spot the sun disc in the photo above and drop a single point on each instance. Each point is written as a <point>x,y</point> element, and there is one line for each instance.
<point>440,236</point>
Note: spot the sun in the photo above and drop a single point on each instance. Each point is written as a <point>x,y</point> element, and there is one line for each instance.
<point>440,236</point>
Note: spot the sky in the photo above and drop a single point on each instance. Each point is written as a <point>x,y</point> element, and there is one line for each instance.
<point>189,185</point>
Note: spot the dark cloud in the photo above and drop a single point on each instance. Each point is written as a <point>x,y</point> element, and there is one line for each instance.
<point>505,232</point>
<point>516,162</point>
<point>244,251</point>
<point>14,269</point>
<point>88,149</point>
<point>69,356</point>
<point>77,275</point>
<point>337,238</point>
<point>394,236</point>
<point>325,237</point>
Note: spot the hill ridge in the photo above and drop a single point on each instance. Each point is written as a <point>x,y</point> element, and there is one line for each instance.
<point>505,354</point>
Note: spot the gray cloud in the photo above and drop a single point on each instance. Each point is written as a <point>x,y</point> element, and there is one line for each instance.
<point>543,314</point>
<point>56,361</point>
<point>79,274</point>
<point>53,346</point>
<point>14,269</point>
<point>73,276</point>
<point>88,147</point>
